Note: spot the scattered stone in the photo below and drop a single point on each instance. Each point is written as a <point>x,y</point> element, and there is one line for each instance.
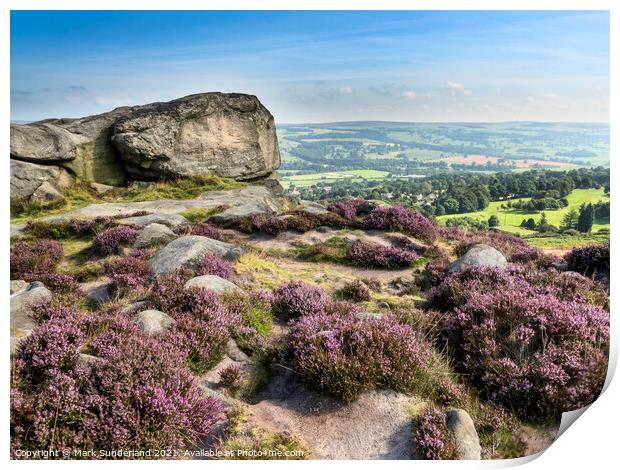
<point>154,235</point>
<point>312,208</point>
<point>101,188</point>
<point>236,354</point>
<point>368,205</point>
<point>214,283</point>
<point>18,286</point>
<point>45,193</point>
<point>479,255</point>
<point>367,316</point>
<point>383,304</point>
<point>22,304</point>
<point>188,252</point>
<point>132,307</point>
<point>97,292</point>
<point>464,435</point>
<point>154,321</point>
<point>89,360</point>
<point>323,229</point>
<point>169,220</point>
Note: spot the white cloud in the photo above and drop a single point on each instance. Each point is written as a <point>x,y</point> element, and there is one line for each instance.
<point>410,95</point>
<point>456,86</point>
<point>347,90</point>
<point>112,101</point>
<point>551,96</point>
<point>467,92</point>
<point>530,99</point>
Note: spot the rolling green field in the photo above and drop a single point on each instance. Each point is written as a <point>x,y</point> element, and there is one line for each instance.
<point>314,178</point>
<point>510,219</point>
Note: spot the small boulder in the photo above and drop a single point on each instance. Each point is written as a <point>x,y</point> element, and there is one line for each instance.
<point>463,433</point>
<point>188,252</point>
<point>368,316</point>
<point>153,321</point>
<point>479,255</point>
<point>236,354</point>
<point>45,193</point>
<point>22,304</point>
<point>97,293</point>
<point>100,188</point>
<point>214,283</point>
<point>18,286</point>
<point>154,235</point>
<point>169,220</point>
<point>367,206</point>
<point>312,208</point>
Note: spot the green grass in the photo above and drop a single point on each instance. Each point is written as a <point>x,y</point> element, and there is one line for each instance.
<point>81,194</point>
<point>510,219</point>
<point>328,177</point>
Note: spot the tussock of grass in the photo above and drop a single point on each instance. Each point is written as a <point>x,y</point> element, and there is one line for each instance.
<point>81,194</point>
<point>196,214</point>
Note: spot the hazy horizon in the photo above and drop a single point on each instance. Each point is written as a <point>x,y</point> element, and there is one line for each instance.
<point>319,67</point>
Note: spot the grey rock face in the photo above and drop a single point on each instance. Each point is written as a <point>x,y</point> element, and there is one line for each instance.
<point>154,321</point>
<point>21,307</point>
<point>188,252</point>
<point>214,283</point>
<point>169,220</point>
<point>154,235</point>
<point>463,434</point>
<point>27,178</point>
<point>210,134</point>
<point>479,255</point>
<point>248,201</point>
<point>17,286</point>
<point>236,354</point>
<point>312,208</point>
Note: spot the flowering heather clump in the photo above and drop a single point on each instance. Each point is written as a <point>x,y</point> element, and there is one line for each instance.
<point>514,248</point>
<point>269,224</point>
<point>344,355</point>
<point>135,395</point>
<point>65,285</point>
<point>588,260</point>
<point>131,273</point>
<point>203,323</point>
<point>230,376</point>
<point>377,256</point>
<point>537,348</point>
<point>356,291</point>
<point>296,299</point>
<point>347,208</point>
<point>431,438</point>
<point>216,266</point>
<point>401,219</point>
<point>34,257</point>
<point>110,241</point>
<point>205,229</point>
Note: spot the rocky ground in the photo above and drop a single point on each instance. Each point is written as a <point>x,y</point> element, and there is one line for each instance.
<point>379,424</point>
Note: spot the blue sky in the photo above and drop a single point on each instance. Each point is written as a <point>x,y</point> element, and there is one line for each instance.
<point>318,66</point>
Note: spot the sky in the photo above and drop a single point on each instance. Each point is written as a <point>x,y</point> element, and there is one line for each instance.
<point>416,66</point>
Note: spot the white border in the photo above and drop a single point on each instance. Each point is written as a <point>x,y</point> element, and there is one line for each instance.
<point>592,443</point>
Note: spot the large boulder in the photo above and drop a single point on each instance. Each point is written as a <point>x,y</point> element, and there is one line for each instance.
<point>28,179</point>
<point>188,252</point>
<point>210,134</point>
<point>253,200</point>
<point>154,235</point>
<point>211,282</point>
<point>479,255</point>
<point>463,434</point>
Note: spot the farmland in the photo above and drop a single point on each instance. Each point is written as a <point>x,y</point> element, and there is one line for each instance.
<point>510,219</point>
